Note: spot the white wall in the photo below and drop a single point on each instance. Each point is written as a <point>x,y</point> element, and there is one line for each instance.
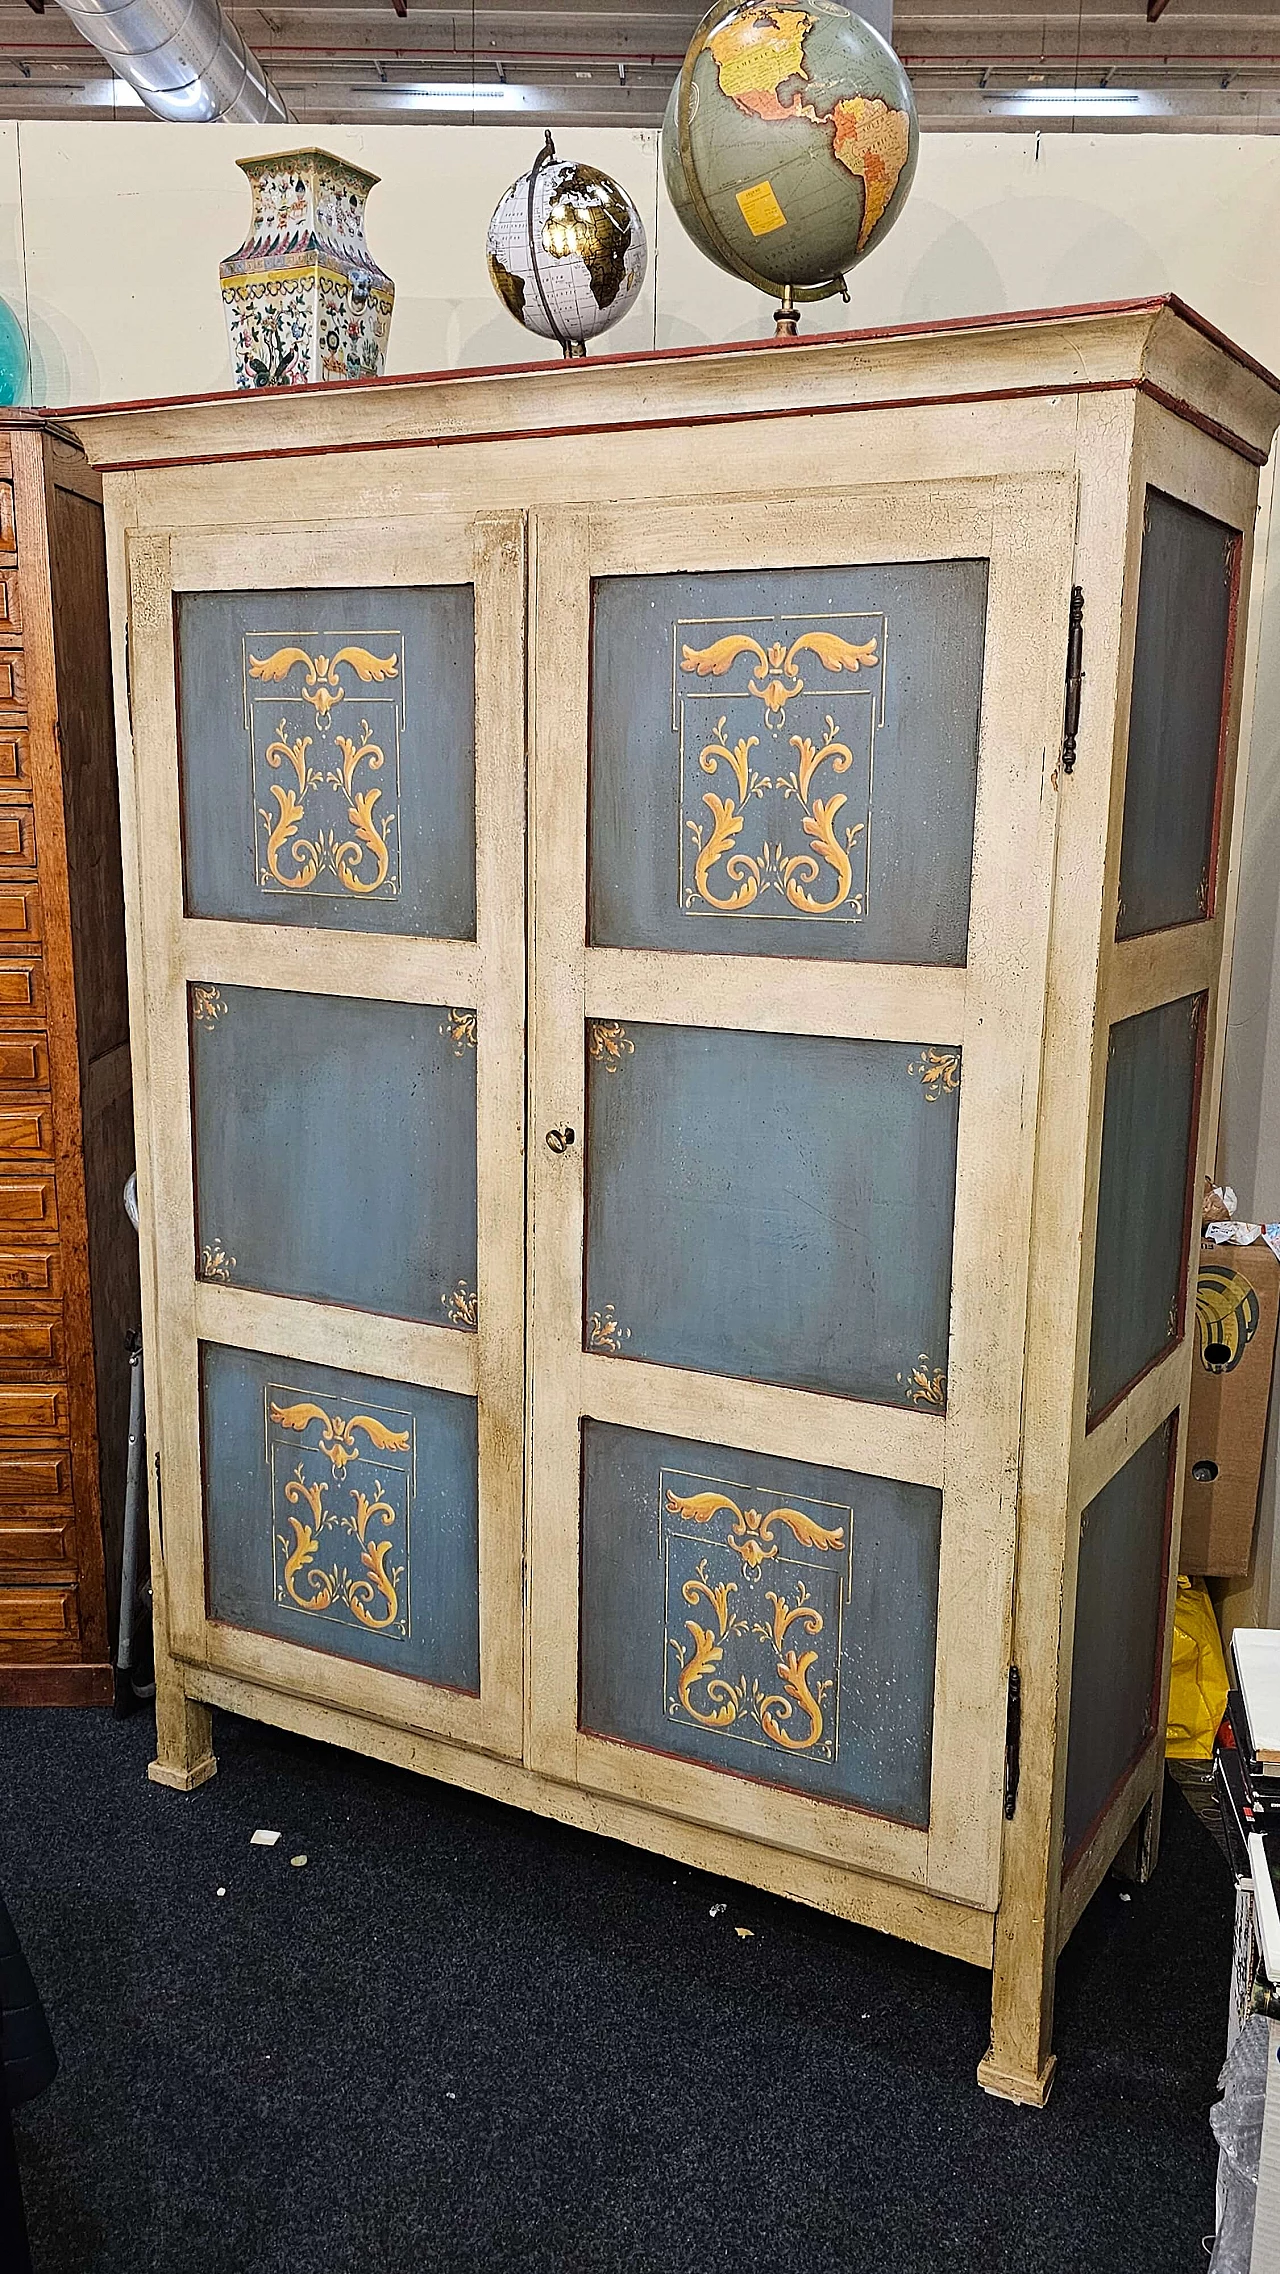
<point>110,237</point>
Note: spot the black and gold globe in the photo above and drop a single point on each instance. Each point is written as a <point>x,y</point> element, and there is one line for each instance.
<point>567,251</point>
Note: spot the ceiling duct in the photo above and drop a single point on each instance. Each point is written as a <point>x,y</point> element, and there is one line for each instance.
<point>185,58</point>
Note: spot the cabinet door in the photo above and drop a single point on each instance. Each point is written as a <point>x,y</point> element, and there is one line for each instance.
<point>328,772</point>
<point>794,813</point>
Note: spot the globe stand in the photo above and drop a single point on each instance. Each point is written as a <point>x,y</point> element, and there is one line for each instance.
<point>786,316</point>
<point>572,350</point>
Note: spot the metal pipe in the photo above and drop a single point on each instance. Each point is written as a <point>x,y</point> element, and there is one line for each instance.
<point>184,57</point>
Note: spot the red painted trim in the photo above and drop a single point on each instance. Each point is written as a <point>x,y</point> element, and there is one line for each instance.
<point>1224,725</point>
<point>1207,425</point>
<point>689,419</point>
<point>568,372</point>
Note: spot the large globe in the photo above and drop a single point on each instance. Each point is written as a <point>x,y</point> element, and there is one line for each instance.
<point>567,251</point>
<point>789,143</point>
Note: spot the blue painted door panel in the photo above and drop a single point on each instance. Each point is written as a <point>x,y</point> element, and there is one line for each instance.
<point>341,1513</point>
<point>766,1617</point>
<point>784,761</point>
<point>1145,1194</point>
<point>774,1207</point>
<point>1180,665</point>
<point>1118,1632</point>
<point>327,758</point>
<point>335,1149</point>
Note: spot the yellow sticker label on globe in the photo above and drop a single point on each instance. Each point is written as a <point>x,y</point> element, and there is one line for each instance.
<point>760,209</point>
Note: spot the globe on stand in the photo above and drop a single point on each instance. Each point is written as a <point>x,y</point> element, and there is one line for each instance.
<point>788,146</point>
<point>567,251</point>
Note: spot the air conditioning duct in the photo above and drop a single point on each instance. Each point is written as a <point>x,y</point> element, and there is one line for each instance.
<point>185,58</point>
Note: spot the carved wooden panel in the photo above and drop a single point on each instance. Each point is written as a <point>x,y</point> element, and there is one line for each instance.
<point>775,1207</point>
<point>771,1618</point>
<point>327,747</point>
<point>335,1149</point>
<point>785,762</point>
<point>1145,1195</point>
<point>341,1512</point>
<point>1182,657</point>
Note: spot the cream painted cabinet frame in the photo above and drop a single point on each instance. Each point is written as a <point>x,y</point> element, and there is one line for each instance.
<point>791,1483</point>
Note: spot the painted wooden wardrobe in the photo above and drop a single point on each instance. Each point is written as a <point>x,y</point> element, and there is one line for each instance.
<point>679,909</point>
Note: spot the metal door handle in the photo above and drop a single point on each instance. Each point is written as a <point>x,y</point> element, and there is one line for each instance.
<point>559,1140</point>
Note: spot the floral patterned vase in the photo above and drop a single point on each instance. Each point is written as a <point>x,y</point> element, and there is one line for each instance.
<point>304,299</point>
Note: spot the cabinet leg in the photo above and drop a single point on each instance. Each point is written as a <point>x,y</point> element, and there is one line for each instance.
<point>184,1738</point>
<point>1136,1860</point>
<point>1019,2063</point>
<point>184,1728</point>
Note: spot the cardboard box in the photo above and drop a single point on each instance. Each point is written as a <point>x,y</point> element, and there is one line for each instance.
<point>1237,1302</point>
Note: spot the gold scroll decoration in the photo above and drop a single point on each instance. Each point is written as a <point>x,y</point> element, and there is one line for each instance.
<point>319,825</point>
<point>807,852</point>
<point>356,1518</point>
<point>757,1663</point>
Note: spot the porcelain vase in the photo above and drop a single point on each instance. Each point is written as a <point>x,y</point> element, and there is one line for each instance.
<point>305,300</point>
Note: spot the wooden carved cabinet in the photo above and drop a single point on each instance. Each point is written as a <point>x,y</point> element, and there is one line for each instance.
<point>68,1258</point>
<point>775,1459</point>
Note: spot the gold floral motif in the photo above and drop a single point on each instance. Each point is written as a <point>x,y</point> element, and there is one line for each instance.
<point>460,1027</point>
<point>294,852</point>
<point>926,1384</point>
<point>309,855</point>
<point>939,1070</point>
<point>207,1005</point>
<point>462,1305</point>
<point>360,1517</point>
<point>776,664</point>
<point>337,1438</point>
<point>215,1263</point>
<point>752,1534</point>
<point>322,1585</point>
<point>379,1585</point>
<point>711,1662</point>
<point>773,869</point>
<point>322,687</point>
<point>609,1043</point>
<point>766,876</point>
<point>724,1702</point>
<point>606,1333</point>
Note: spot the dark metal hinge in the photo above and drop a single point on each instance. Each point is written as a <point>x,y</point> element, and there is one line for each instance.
<point>1075,678</point>
<point>1012,1741</point>
<point>159,1506</point>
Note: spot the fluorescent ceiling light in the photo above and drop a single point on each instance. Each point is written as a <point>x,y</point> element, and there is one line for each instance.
<point>460,95</point>
<point>119,91</point>
<point>1073,99</point>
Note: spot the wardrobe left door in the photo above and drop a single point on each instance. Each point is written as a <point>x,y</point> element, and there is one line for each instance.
<point>328,869</point>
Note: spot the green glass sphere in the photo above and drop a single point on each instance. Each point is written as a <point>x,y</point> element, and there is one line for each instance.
<point>789,142</point>
<point>15,362</point>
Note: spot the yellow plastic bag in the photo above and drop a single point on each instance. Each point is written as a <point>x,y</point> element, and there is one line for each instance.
<point>1198,1679</point>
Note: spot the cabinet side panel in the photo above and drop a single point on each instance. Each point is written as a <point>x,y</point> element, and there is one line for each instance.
<point>1145,1194</point>
<point>1118,1632</point>
<point>92,816</point>
<point>1181,681</point>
